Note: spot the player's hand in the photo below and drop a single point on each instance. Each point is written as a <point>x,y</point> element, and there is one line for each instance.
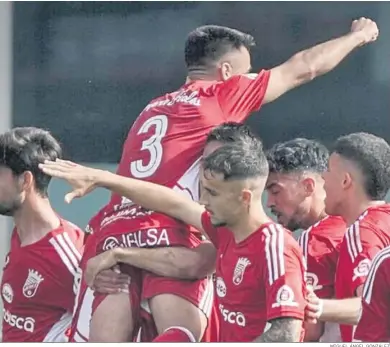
<point>313,308</point>
<point>97,264</point>
<point>82,179</point>
<point>366,29</point>
<point>111,282</point>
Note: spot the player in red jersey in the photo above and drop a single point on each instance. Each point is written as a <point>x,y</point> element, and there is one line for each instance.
<point>260,272</point>
<point>296,196</point>
<point>374,323</point>
<point>183,263</point>
<point>38,275</point>
<point>356,184</point>
<point>165,143</point>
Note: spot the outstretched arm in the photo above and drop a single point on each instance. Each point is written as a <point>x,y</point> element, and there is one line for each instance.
<point>149,195</point>
<point>318,60</point>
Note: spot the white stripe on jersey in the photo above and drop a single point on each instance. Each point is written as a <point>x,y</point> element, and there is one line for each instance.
<point>354,243</point>
<point>376,263</point>
<point>274,251</point>
<point>72,246</point>
<point>303,242</point>
<point>65,254</point>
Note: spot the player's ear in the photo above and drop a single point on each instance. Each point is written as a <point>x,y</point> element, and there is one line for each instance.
<point>226,71</point>
<point>26,180</point>
<point>246,197</point>
<point>347,181</point>
<point>309,186</point>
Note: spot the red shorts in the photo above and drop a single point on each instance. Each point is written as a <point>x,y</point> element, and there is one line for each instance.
<point>149,231</point>
<point>148,331</point>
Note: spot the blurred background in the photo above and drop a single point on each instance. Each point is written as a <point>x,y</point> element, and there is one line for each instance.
<point>85,70</point>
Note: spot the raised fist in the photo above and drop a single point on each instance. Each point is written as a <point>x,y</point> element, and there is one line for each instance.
<point>366,29</point>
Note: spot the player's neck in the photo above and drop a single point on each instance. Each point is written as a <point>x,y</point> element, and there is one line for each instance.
<point>356,207</point>
<point>316,214</point>
<point>250,224</point>
<point>200,76</point>
<point>34,220</point>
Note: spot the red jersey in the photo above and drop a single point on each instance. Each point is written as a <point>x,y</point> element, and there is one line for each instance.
<point>374,324</point>
<point>166,141</point>
<point>257,280</point>
<point>38,286</point>
<point>363,240</point>
<point>321,247</point>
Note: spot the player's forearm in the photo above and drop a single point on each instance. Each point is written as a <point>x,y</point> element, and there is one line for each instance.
<point>344,311</point>
<point>149,195</point>
<point>320,59</point>
<point>176,262</point>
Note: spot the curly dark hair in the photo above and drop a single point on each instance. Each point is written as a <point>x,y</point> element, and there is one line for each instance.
<point>298,155</point>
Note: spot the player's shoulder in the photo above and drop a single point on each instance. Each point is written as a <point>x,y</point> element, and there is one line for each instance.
<point>273,232</point>
<point>330,229</point>
<point>67,236</point>
<point>382,260</point>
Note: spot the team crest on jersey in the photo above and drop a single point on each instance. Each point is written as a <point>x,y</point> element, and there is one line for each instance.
<point>362,269</point>
<point>239,270</point>
<point>285,297</point>
<point>32,283</point>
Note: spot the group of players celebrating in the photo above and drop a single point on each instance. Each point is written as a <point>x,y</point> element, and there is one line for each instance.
<point>184,251</point>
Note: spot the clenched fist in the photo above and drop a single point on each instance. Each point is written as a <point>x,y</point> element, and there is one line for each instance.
<point>366,29</point>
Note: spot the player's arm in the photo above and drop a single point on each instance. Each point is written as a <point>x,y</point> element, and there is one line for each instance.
<point>318,60</point>
<point>283,329</point>
<point>343,311</point>
<point>176,262</point>
<point>149,195</point>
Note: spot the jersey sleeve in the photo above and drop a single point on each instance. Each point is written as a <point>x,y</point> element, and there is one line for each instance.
<point>362,246</point>
<point>284,275</point>
<point>69,247</point>
<point>242,94</point>
<point>210,230</point>
<point>374,324</point>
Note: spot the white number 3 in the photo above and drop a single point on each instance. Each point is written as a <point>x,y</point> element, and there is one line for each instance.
<point>152,145</point>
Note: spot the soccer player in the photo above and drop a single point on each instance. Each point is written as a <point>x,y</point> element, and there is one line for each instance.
<point>165,144</point>
<point>356,183</point>
<point>374,323</point>
<point>38,276</point>
<point>260,283</point>
<point>184,263</point>
<point>296,196</point>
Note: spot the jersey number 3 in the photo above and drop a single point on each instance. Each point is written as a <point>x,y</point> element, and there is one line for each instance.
<point>138,168</point>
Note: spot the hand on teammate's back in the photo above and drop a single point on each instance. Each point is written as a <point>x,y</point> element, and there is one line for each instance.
<point>366,28</point>
<point>110,281</point>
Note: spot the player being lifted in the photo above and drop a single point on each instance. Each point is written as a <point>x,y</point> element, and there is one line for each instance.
<point>164,146</point>
<point>296,195</point>
<point>259,270</point>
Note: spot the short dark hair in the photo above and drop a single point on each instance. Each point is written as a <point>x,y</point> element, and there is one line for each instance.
<point>236,162</point>
<point>232,132</point>
<point>208,43</point>
<point>372,156</point>
<point>23,149</point>
<point>298,155</point>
